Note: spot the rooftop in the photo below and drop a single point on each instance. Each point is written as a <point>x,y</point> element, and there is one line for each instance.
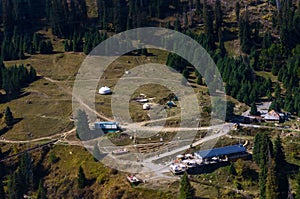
<point>107,123</point>
<point>221,151</point>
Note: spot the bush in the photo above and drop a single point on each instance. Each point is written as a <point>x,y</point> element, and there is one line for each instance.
<point>237,185</point>
<point>113,171</point>
<point>53,158</point>
<point>102,178</point>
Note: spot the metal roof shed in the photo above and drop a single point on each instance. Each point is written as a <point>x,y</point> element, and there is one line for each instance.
<point>228,150</point>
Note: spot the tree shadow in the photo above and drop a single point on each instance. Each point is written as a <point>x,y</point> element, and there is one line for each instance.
<point>3,131</point>
<point>204,169</point>
<point>90,182</point>
<point>228,35</point>
<point>17,120</point>
<point>39,170</point>
<point>18,95</point>
<point>8,98</point>
<point>291,168</point>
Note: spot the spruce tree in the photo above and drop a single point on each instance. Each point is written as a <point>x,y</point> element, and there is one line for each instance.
<point>218,16</point>
<point>237,11</point>
<point>2,192</point>
<point>208,26</point>
<point>279,155</point>
<point>15,187</point>
<point>297,196</point>
<point>245,33</point>
<point>272,191</point>
<point>8,116</point>
<point>185,73</point>
<point>221,43</point>
<point>25,171</point>
<point>32,75</point>
<point>232,170</point>
<point>199,79</point>
<point>186,189</point>
<point>41,191</point>
<point>253,110</point>
<point>262,153</point>
<point>280,165</point>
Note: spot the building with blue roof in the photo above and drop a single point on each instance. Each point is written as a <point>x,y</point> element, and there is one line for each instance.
<point>107,127</point>
<point>235,151</point>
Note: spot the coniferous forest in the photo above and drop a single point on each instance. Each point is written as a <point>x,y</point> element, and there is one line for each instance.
<point>256,49</point>
<point>274,49</point>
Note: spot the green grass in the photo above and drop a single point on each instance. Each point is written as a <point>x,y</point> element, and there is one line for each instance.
<point>92,8</point>
<point>43,112</point>
<point>267,75</point>
<point>63,176</point>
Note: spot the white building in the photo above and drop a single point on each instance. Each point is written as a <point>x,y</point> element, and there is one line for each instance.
<point>104,90</point>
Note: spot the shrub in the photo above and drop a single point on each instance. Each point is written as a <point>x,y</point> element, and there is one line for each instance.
<point>53,158</point>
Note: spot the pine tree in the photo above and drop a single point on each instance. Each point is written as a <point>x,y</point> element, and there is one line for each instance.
<point>267,40</point>
<point>177,25</point>
<point>280,165</point>
<point>15,187</point>
<point>2,192</point>
<point>32,75</point>
<point>199,79</point>
<point>232,170</point>
<point>221,43</point>
<point>8,116</point>
<point>25,171</point>
<point>245,33</point>
<point>279,155</point>
<point>185,73</point>
<point>81,179</point>
<point>272,182</point>
<point>262,153</point>
<point>253,110</point>
<point>208,26</point>
<point>186,189</point>
<point>41,191</point>
<point>66,46</point>
<point>237,11</point>
<point>297,196</point>
<point>218,16</point>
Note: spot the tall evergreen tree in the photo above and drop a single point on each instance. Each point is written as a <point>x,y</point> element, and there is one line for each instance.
<point>280,165</point>
<point>186,189</point>
<point>208,25</point>
<point>245,33</point>
<point>262,153</point>
<point>237,11</point>
<point>253,110</point>
<point>199,79</point>
<point>8,116</point>
<point>297,196</point>
<point>272,191</point>
<point>15,186</point>
<point>26,171</point>
<point>185,73</point>
<point>218,16</point>
<point>2,192</point>
<point>41,191</point>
